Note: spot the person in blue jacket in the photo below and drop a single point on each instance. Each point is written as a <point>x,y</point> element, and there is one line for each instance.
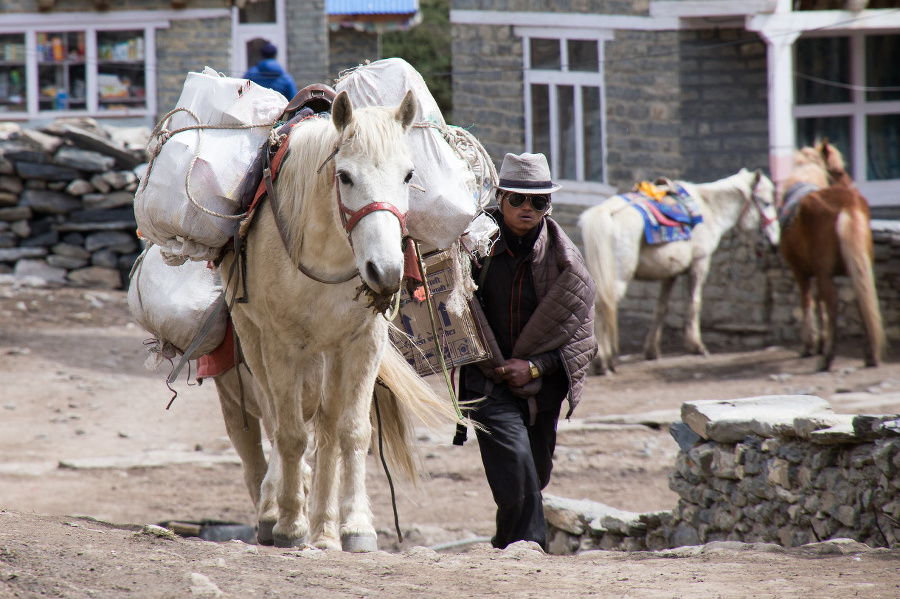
<point>268,73</point>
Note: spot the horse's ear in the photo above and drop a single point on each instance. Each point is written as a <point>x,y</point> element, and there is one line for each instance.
<point>757,174</point>
<point>341,111</point>
<point>407,110</point>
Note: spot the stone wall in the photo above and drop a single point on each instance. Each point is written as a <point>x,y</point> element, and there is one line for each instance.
<point>724,103</point>
<point>189,46</point>
<point>307,40</point>
<point>348,48</point>
<point>66,203</point>
<point>776,469</point>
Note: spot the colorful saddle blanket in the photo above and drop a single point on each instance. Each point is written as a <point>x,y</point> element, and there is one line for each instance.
<point>669,218</point>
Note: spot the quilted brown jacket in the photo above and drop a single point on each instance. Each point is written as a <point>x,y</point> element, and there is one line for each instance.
<point>564,318</point>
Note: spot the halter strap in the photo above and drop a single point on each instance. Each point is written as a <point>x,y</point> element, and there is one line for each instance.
<point>352,217</point>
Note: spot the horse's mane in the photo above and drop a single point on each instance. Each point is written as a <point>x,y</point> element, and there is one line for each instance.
<point>809,167</point>
<point>374,131</point>
<point>740,181</point>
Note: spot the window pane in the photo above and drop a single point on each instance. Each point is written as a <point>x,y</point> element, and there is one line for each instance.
<point>822,64</point>
<point>583,56</point>
<point>836,129</point>
<point>257,11</point>
<point>12,73</point>
<point>545,54</point>
<point>61,72</point>
<point>883,155</point>
<point>120,70</point>
<point>565,96</point>
<point>593,151</point>
<point>540,119</point>
<point>881,69</point>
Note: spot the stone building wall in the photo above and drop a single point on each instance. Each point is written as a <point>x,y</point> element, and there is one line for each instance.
<point>185,46</point>
<point>781,469</point>
<point>348,48</point>
<point>307,40</point>
<point>724,107</point>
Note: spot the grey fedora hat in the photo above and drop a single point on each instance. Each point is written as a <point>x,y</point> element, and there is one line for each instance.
<point>526,173</point>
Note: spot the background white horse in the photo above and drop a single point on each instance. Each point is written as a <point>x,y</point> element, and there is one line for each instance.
<point>616,252</point>
<point>315,348</point>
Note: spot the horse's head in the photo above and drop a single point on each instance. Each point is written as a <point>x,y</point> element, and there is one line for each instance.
<point>373,168</point>
<point>833,163</point>
<point>760,210</point>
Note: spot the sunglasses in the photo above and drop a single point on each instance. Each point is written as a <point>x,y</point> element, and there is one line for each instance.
<point>538,202</point>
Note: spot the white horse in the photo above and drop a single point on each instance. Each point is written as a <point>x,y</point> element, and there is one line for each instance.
<point>616,252</point>
<point>314,348</point>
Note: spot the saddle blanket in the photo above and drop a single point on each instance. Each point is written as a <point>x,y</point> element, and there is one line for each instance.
<point>668,219</point>
<point>788,209</point>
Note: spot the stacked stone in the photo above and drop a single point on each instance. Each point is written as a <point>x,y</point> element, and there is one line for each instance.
<point>66,204</point>
<point>781,469</point>
<point>786,470</point>
<point>574,526</point>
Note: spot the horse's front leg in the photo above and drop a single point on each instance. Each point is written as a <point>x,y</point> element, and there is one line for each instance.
<point>291,438</point>
<point>696,278</point>
<point>324,520</point>
<point>651,344</point>
<point>354,434</point>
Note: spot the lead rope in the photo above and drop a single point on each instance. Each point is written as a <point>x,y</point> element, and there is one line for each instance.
<point>437,342</point>
<point>384,463</point>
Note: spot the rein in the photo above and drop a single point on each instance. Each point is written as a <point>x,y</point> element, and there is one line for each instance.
<point>757,201</point>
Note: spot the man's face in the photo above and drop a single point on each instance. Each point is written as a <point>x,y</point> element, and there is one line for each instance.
<point>519,213</point>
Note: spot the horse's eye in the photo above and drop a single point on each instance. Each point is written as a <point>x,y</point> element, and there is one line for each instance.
<point>408,177</point>
<point>345,178</point>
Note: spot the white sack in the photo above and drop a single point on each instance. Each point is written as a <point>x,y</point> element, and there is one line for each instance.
<point>444,196</point>
<point>172,303</point>
<point>165,215</point>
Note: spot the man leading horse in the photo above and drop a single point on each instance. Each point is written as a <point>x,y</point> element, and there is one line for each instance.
<point>535,305</point>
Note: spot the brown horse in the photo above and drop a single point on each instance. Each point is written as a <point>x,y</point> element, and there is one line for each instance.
<point>825,233</point>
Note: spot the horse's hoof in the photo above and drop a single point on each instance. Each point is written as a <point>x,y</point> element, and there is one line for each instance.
<point>824,365</point>
<point>264,535</point>
<point>359,543</point>
<point>871,363</point>
<point>287,542</point>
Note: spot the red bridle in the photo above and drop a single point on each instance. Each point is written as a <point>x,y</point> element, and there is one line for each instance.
<point>350,218</point>
<point>757,201</point>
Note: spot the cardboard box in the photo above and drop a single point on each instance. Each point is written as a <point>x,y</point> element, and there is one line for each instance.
<point>459,337</point>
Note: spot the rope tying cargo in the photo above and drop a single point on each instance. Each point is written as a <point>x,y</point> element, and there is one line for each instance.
<point>161,135</point>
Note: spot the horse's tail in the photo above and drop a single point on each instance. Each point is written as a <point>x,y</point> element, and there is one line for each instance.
<point>598,234</point>
<point>403,399</point>
<point>855,240</point>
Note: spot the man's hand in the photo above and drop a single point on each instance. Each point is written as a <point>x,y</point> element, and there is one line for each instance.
<point>516,372</point>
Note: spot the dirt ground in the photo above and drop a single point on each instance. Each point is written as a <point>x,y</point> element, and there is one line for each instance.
<point>89,454</point>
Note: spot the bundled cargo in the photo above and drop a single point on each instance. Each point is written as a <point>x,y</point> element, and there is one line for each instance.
<point>178,305</point>
<point>453,176</point>
<point>187,201</point>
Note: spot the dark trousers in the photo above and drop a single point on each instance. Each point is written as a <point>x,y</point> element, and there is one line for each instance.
<point>517,460</point>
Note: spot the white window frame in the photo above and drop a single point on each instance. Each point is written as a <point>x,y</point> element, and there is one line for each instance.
<point>243,33</point>
<point>92,108</point>
<point>577,191</point>
<point>148,21</point>
<point>857,109</point>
